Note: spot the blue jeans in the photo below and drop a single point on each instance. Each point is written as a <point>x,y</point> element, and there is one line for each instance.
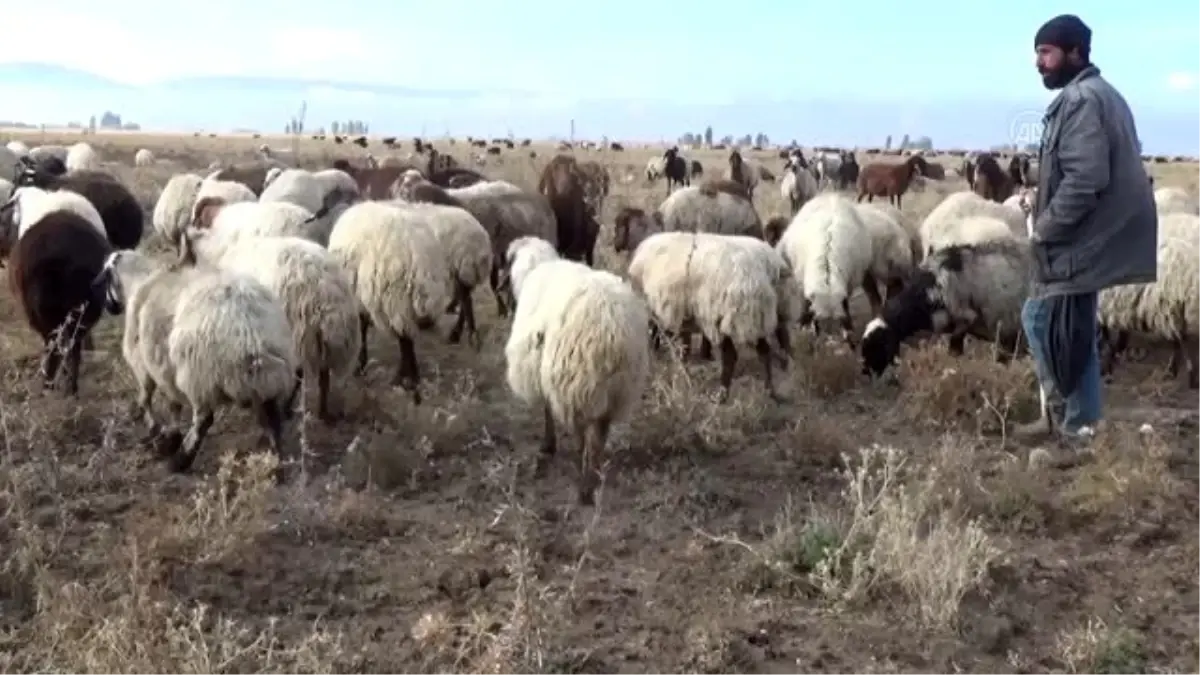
<point>1080,407</point>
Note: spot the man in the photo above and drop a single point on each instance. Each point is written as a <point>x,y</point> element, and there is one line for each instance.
<point>1095,226</point>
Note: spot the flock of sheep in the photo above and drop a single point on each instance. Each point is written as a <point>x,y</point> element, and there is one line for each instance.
<point>282,271</point>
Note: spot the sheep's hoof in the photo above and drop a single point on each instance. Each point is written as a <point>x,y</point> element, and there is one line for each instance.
<point>180,462</point>
<point>454,337</point>
<point>587,495</point>
<point>169,443</point>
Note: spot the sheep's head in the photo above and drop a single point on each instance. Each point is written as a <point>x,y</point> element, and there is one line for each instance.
<point>521,257</point>
<point>272,174</point>
<point>205,211</point>
<point>772,230</point>
<point>735,159</point>
<point>916,308</point>
<point>120,275</point>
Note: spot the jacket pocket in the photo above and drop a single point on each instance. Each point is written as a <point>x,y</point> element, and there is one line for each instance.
<point>1053,265</point>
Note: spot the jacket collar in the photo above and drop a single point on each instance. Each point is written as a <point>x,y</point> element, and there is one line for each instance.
<point>1091,70</point>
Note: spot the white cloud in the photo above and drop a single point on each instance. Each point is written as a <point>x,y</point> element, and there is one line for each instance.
<point>1182,81</point>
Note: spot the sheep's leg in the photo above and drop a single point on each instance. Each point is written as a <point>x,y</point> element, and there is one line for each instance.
<point>706,349</point>
<point>765,356</point>
<point>289,410</point>
<point>1175,358</point>
<point>1191,348</point>
<point>364,326</point>
<point>848,321</point>
<point>783,337</point>
<point>408,374</point>
<point>957,342</point>
<point>74,355</point>
<point>461,294</point>
<point>494,281</point>
<point>143,407</point>
<point>871,290</point>
<point>270,418</point>
<point>861,195</point>
<point>1114,349</point>
<point>729,357</point>
<point>323,396</point>
<point>51,359</point>
<point>202,420</point>
<point>592,441</point>
<point>549,445</point>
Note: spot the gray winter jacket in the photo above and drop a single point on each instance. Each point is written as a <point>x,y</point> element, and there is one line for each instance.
<point>1096,224</point>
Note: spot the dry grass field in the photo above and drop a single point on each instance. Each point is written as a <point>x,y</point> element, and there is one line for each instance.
<point>861,527</point>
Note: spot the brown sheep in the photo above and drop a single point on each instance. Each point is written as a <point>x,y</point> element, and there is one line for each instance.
<point>630,221</point>
<point>697,169</point>
<point>992,182</point>
<point>205,211</point>
<point>562,183</point>
<point>884,179</point>
<point>773,229</point>
<point>1019,170</point>
<point>253,175</point>
<point>710,188</point>
<point>596,185</point>
<point>740,172</point>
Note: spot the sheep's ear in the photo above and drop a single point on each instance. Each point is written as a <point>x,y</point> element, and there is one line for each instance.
<point>187,252</point>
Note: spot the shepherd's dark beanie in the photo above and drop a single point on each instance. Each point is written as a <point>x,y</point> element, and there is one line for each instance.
<point>1067,32</point>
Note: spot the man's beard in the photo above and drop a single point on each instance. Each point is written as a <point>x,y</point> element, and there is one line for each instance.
<point>1061,76</point>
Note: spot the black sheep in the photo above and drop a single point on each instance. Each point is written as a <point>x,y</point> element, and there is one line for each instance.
<point>51,270</point>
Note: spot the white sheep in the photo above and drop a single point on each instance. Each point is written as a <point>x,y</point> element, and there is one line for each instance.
<point>725,286</point>
<point>1175,200</point>
<point>708,208</point>
<point>143,157</point>
<point>970,289</point>
<point>201,336</point>
<point>398,271</point>
<point>892,250</point>
<point>830,252</point>
<point>173,210</point>
<point>248,219</point>
<point>1167,310</point>
<point>315,294</point>
<point>468,250</point>
<point>944,224</point>
<point>18,148</point>
<point>317,195</point>
<point>578,350</point>
<point>654,168</point>
<point>82,157</point>
<point>228,191</point>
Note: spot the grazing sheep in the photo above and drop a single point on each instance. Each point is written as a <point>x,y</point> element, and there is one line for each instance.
<point>82,157</point>
<point>971,289</point>
<point>798,185</point>
<point>398,271</point>
<point>829,250</point>
<point>727,287</point>
<point>228,191</point>
<point>173,210</point>
<point>118,208</point>
<point>203,336</point>
<point>315,295</point>
<point>55,245</point>
<point>882,179</point>
<point>561,183</point>
<point>676,169</point>
<point>740,172</point>
<point>1175,200</point>
<point>947,224</point>
<point>143,158</point>
<point>468,250</point>
<point>586,369</point>
<point>991,182</point>
<point>43,153</point>
<point>325,197</point>
<point>455,177</point>
<point>631,226</point>
<point>891,250</point>
<point>719,207</point>
<point>262,219</point>
<point>1167,310</point>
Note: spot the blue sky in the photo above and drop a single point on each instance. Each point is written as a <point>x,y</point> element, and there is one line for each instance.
<point>648,55</point>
